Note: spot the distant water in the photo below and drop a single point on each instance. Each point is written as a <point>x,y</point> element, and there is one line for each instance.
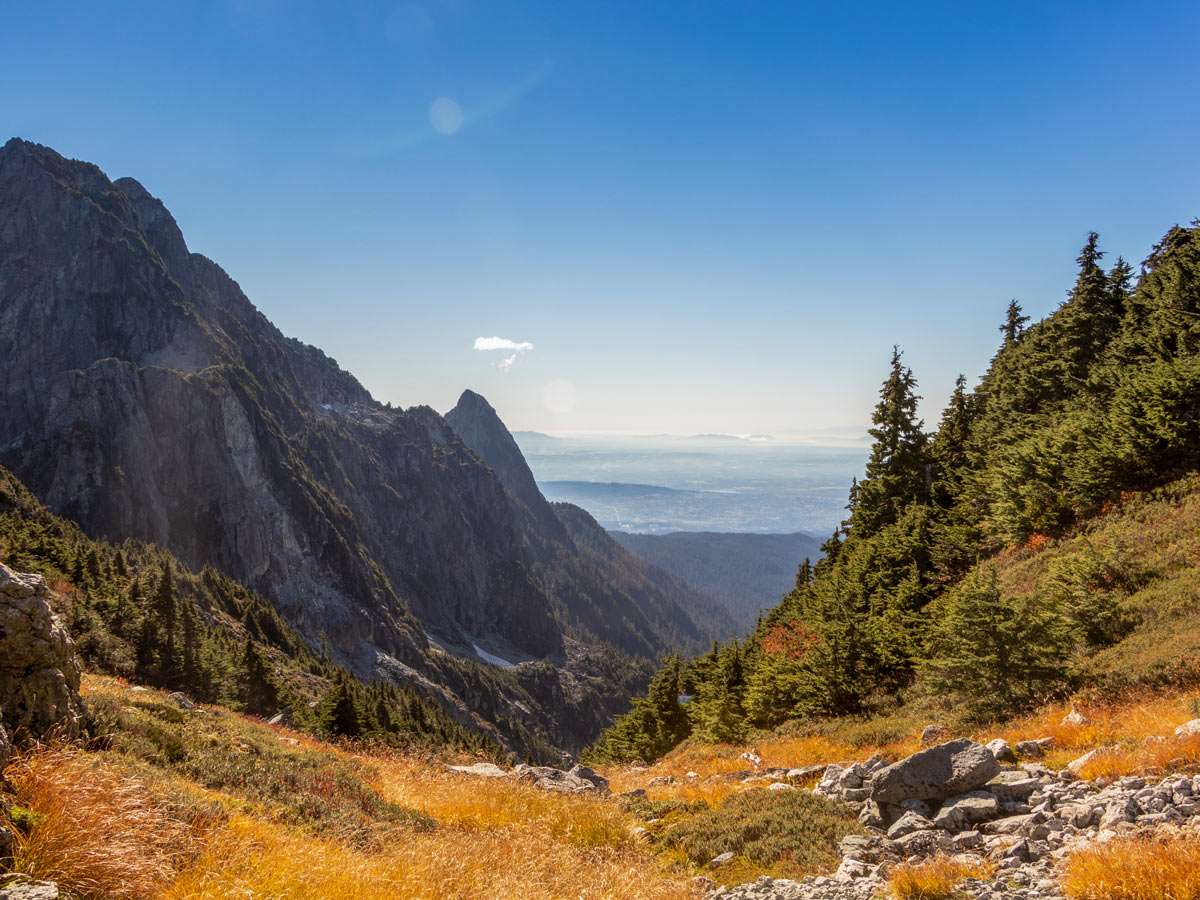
<point>659,484</point>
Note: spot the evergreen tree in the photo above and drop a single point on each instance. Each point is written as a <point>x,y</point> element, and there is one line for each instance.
<point>259,692</point>
<point>898,469</point>
<point>1014,324</point>
<point>339,713</point>
<point>993,652</point>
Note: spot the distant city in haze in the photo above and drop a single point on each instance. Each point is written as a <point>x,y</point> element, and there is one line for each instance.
<point>657,484</point>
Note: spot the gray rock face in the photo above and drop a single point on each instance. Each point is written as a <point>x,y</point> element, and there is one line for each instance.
<point>24,888</point>
<point>956,767</point>
<point>144,396</point>
<point>39,674</point>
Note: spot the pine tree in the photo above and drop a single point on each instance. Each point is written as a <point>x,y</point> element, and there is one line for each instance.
<point>996,653</point>
<point>259,692</point>
<point>1014,324</point>
<point>338,713</point>
<point>898,469</point>
<point>164,607</point>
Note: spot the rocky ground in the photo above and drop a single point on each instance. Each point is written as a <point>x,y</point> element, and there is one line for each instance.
<point>958,800</point>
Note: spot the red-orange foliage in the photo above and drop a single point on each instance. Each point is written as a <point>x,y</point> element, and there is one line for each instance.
<point>792,640</point>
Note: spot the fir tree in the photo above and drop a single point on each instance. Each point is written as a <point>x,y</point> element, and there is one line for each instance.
<point>1014,324</point>
<point>897,471</point>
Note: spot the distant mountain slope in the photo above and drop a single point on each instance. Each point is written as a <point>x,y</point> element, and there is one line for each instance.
<point>145,397</point>
<point>744,572</point>
<point>601,591</point>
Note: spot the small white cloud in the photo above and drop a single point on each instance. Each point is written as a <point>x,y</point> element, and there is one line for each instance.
<point>506,363</point>
<point>499,343</point>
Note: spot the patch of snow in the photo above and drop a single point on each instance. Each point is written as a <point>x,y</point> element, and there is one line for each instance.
<point>326,406</point>
<point>494,660</point>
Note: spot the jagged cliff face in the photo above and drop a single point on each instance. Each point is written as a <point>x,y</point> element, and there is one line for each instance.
<point>145,396</point>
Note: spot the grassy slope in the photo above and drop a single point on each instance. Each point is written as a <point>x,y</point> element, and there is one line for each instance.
<point>212,804</point>
<point>1146,549</point>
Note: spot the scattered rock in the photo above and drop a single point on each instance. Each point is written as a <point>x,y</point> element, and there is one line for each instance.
<point>39,674</point>
<point>1033,749</point>
<point>1075,718</point>
<point>1188,728</point>
<point>182,701</point>
<point>22,887</point>
<point>661,781</point>
<point>1076,766</point>
<point>579,780</point>
<point>717,861</point>
<point>283,717</point>
<point>482,769</point>
<point>5,748</point>
<point>907,824</point>
<point>931,734</point>
<point>1001,750</point>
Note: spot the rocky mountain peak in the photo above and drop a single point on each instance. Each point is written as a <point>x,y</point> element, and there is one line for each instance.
<point>476,422</point>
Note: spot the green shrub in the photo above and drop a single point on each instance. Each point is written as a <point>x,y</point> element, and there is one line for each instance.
<point>791,831</point>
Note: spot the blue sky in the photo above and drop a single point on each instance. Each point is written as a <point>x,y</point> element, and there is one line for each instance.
<point>704,216</point>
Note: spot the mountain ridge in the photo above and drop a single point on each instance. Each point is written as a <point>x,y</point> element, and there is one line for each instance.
<point>147,397</point>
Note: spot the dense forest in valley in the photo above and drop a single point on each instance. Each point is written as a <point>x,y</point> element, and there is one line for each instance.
<point>1075,414</point>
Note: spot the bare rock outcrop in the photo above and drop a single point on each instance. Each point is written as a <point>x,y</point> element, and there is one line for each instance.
<point>955,767</point>
<point>39,674</point>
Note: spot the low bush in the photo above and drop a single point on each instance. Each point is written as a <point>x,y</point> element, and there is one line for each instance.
<point>789,831</point>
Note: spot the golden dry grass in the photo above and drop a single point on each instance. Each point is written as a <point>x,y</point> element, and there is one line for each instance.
<point>1162,869</point>
<point>109,834</point>
<point>100,832</point>
<point>721,759</point>
<point>254,859</point>
<point>1130,725</point>
<point>934,879</point>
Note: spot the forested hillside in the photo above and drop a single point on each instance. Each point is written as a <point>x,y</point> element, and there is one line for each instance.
<point>1078,414</point>
<point>746,573</point>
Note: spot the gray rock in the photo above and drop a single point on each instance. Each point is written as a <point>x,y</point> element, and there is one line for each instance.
<point>959,813</point>
<point>1188,728</point>
<point>1001,750</point>
<point>871,815</point>
<point>1009,825</point>
<point>21,887</point>
<point>907,824</point>
<point>586,774</point>
<point>869,848</point>
<point>182,701</point>
<point>723,859</point>
<point>39,673</point>
<point>956,767</point>
<point>1033,749</point>
<point>1014,786</point>
<point>931,734</point>
<point>482,769</point>
<point>1075,718</point>
<point>283,717</point>
<point>5,747</point>
<point>920,807</point>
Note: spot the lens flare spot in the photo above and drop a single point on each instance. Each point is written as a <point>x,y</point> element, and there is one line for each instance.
<point>445,116</point>
<point>559,397</point>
